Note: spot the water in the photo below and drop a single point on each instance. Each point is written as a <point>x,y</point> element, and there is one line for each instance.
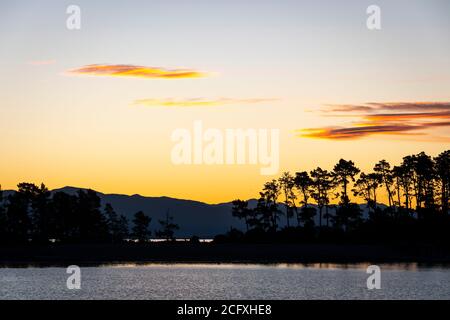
<point>227,281</point>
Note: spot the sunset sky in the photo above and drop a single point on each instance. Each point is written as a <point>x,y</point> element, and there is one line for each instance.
<point>96,107</point>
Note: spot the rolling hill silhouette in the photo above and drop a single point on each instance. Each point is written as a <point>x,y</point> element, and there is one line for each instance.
<point>194,217</point>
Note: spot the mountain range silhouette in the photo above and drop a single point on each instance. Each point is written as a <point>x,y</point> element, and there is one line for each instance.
<point>194,217</point>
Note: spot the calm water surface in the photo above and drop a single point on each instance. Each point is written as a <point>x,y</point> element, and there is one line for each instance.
<point>227,281</point>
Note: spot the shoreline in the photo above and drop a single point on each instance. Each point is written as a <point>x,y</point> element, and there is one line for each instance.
<point>177,253</point>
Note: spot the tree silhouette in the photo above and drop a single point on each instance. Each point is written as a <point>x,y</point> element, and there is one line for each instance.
<point>321,182</point>
<point>141,226</point>
<point>18,219</point>
<point>307,215</point>
<point>344,172</point>
<point>348,217</point>
<point>425,174</point>
<point>383,168</point>
<point>347,214</point>
<point>123,228</point>
<point>303,183</point>
<point>366,187</point>
<point>65,217</point>
<point>397,175</point>
<point>37,210</point>
<point>287,184</point>
<point>93,226</point>
<point>270,193</point>
<point>406,179</point>
<point>263,214</point>
<point>443,174</point>
<point>240,210</point>
<point>32,214</point>
<point>168,228</point>
<point>117,224</point>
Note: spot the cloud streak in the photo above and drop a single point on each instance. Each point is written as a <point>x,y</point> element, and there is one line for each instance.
<point>407,116</point>
<point>199,102</point>
<point>390,106</point>
<point>124,70</point>
<point>401,118</point>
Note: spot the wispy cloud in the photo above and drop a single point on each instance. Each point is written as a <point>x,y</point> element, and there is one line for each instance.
<point>199,102</point>
<point>407,116</point>
<point>340,133</point>
<point>347,108</point>
<point>402,118</point>
<point>389,106</point>
<point>123,70</point>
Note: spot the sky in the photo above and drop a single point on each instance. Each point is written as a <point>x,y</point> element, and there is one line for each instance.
<point>96,107</point>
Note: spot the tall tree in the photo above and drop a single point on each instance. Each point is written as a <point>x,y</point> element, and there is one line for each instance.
<point>303,183</point>
<point>37,202</point>
<point>398,175</point>
<point>168,228</point>
<point>374,183</point>
<point>262,217</point>
<point>270,193</point>
<point>124,229</point>
<point>384,169</point>
<point>344,172</point>
<point>117,224</point>
<point>408,179</point>
<point>18,218</point>
<point>442,162</point>
<point>424,179</point>
<point>363,188</point>
<point>321,186</point>
<point>287,184</point>
<point>366,187</point>
<point>66,220</point>
<point>241,211</point>
<point>92,223</point>
<point>141,229</point>
<point>347,214</point>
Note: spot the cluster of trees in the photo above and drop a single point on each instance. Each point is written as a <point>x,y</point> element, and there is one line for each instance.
<point>417,192</point>
<point>33,214</point>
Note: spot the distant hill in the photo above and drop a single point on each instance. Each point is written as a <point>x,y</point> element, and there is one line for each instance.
<point>193,217</point>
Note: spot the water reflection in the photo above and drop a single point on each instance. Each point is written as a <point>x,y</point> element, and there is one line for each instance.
<point>228,281</point>
<point>412,266</point>
<point>403,266</point>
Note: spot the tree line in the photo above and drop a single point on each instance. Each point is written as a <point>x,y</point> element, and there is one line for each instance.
<point>319,205</point>
<point>33,214</point>
<point>417,208</point>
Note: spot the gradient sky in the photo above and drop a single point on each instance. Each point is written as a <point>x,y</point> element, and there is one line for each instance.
<point>277,64</point>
